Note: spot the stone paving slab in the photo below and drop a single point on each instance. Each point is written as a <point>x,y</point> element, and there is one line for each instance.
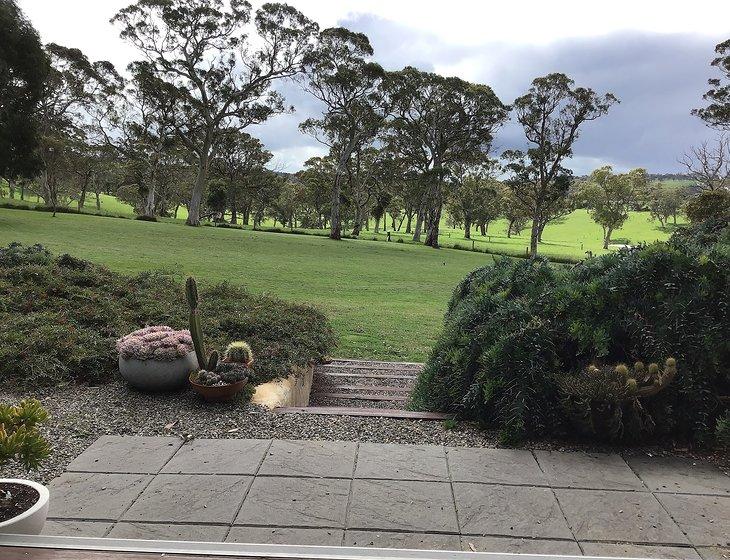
<point>618,516</point>
<point>286,535</point>
<point>584,470</point>
<point>674,474</point>
<point>120,454</point>
<point>169,532</point>
<point>295,502</point>
<point>627,550</point>
<point>704,519</point>
<point>519,545</point>
<point>402,505</point>
<point>509,511</point>
<point>413,541</point>
<point>219,456</point>
<point>310,458</point>
<point>94,495</point>
<point>401,462</point>
<point>70,528</point>
<point>496,466</point>
<point>190,498</point>
<point>331,493</point>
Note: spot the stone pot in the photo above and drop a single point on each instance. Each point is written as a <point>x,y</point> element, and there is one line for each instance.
<point>218,393</point>
<point>155,375</point>
<point>31,521</point>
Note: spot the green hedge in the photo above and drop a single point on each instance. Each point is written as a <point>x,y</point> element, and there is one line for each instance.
<point>513,329</point>
<point>60,317</point>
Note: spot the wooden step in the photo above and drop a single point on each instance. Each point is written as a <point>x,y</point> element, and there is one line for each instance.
<point>376,362</point>
<point>378,388</point>
<point>369,375</point>
<point>345,411</point>
<point>361,397</point>
<point>360,367</point>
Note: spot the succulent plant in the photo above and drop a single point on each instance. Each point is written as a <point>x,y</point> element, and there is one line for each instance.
<point>607,401</point>
<point>239,352</point>
<point>19,435</point>
<point>196,331</point>
<point>157,342</point>
<point>224,374</point>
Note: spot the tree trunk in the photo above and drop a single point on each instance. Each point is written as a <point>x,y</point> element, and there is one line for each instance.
<point>149,203</point>
<point>509,228</point>
<point>534,235</point>
<point>82,198</point>
<point>539,232</point>
<point>234,213</point>
<point>22,191</point>
<point>11,188</point>
<point>377,224</point>
<point>433,217</point>
<point>467,229</point>
<point>607,238</point>
<point>419,226</point>
<point>483,228</point>
<point>98,200</point>
<point>196,199</point>
<point>408,222</point>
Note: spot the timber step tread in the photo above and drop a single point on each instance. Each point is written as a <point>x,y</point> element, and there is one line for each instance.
<point>361,397</point>
<point>376,388</point>
<point>368,363</point>
<point>346,411</point>
<point>360,367</point>
<point>369,375</point>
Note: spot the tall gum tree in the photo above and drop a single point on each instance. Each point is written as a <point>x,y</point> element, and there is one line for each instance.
<point>717,113</point>
<point>218,76</point>
<point>435,123</point>
<point>551,114</point>
<point>340,74</point>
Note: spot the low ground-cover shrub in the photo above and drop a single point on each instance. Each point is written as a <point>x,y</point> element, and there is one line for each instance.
<point>60,318</point>
<point>514,329</point>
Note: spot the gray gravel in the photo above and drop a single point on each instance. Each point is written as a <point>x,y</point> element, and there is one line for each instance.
<point>80,414</point>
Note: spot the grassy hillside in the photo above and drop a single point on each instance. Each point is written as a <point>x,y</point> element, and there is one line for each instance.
<point>385,300</point>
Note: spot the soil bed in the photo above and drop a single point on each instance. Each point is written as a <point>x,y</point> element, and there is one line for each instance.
<point>16,499</point>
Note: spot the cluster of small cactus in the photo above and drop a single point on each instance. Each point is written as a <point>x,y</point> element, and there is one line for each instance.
<point>607,401</point>
<point>214,371</point>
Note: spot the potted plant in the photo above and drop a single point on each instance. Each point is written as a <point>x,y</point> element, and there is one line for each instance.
<point>23,503</point>
<point>215,379</point>
<point>156,358</point>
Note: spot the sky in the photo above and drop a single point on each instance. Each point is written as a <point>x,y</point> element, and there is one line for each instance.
<point>654,56</point>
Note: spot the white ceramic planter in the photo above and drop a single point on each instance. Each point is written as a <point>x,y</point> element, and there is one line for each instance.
<point>154,375</point>
<point>31,521</point>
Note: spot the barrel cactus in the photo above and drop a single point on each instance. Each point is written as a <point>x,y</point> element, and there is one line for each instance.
<point>239,352</point>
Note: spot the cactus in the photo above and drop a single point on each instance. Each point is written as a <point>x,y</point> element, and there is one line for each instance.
<point>196,332</point>
<point>213,360</point>
<point>607,401</point>
<point>239,352</point>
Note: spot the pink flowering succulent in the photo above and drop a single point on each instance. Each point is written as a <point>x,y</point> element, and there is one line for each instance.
<point>155,343</point>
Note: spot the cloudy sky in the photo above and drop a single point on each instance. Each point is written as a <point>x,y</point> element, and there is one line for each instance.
<point>652,55</point>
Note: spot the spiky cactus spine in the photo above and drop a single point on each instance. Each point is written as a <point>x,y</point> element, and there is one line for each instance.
<point>196,332</point>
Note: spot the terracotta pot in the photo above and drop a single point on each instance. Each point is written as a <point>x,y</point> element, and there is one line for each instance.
<point>218,393</point>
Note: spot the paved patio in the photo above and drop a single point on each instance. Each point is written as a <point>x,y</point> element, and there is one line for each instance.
<point>345,493</point>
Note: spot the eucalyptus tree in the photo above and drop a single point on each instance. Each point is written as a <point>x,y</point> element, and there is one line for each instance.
<point>239,162</point>
<point>24,67</point>
<point>472,198</point>
<point>136,121</point>
<point>438,122</point>
<point>717,112</point>
<point>70,90</point>
<point>317,177</point>
<point>339,73</point>
<point>551,114</point>
<point>609,196</point>
<point>217,75</point>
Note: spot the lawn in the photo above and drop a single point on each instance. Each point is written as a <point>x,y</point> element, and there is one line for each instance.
<point>385,301</point>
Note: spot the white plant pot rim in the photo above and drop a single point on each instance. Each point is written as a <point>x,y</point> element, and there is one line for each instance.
<point>43,494</point>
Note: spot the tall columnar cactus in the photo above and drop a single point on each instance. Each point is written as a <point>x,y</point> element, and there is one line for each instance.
<point>196,332</point>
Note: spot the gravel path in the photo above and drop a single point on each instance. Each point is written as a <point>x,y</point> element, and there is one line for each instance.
<point>80,414</point>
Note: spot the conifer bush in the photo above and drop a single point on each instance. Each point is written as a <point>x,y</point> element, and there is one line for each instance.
<point>515,328</point>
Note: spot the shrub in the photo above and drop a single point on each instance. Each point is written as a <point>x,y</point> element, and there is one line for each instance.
<point>709,205</point>
<point>514,328</point>
<point>60,318</point>
<point>20,439</point>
